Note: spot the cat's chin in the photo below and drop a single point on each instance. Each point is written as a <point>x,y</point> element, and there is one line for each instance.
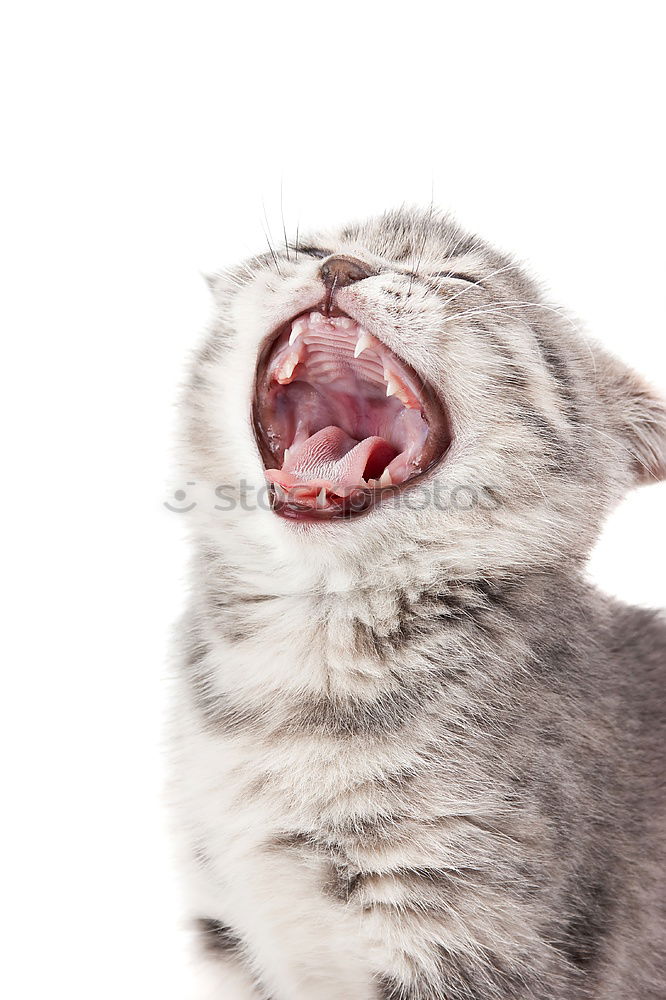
<point>341,421</point>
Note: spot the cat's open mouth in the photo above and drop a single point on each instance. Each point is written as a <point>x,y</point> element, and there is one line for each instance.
<point>340,420</point>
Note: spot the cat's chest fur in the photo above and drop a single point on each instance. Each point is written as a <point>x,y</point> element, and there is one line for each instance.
<point>334,726</point>
<point>295,764</point>
<point>308,694</point>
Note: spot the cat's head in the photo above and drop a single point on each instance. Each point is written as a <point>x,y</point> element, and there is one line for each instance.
<point>398,395</point>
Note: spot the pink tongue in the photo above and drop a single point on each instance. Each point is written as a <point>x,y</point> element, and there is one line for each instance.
<point>333,459</point>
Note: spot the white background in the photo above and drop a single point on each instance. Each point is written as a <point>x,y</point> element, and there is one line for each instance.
<point>140,141</point>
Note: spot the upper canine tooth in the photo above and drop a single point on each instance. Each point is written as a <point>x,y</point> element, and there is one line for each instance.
<point>385,478</point>
<point>364,341</point>
<point>321,497</point>
<point>286,456</point>
<point>296,331</point>
<point>392,387</point>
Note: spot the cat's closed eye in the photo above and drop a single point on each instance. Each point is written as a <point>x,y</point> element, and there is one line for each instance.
<point>310,251</point>
<point>455,276</point>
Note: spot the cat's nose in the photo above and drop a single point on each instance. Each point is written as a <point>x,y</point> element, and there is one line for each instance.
<point>338,271</point>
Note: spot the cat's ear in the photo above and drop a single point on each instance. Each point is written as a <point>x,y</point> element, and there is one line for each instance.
<point>219,285</point>
<point>212,281</point>
<point>638,418</point>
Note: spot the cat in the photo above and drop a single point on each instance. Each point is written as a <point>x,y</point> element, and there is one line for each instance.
<point>416,755</point>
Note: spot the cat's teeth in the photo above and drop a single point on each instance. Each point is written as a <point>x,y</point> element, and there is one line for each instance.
<point>280,493</point>
<point>316,318</point>
<point>385,478</point>
<point>286,456</point>
<point>394,387</point>
<point>321,497</point>
<point>364,341</point>
<point>296,331</point>
<point>345,322</point>
<point>286,369</point>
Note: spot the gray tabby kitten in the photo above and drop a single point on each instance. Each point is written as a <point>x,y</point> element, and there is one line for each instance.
<point>417,756</point>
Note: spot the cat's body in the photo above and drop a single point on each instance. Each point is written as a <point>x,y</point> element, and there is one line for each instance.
<point>416,755</point>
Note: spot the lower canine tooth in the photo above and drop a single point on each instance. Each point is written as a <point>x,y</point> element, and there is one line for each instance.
<point>385,479</point>
<point>286,456</point>
<point>287,368</point>
<point>321,497</point>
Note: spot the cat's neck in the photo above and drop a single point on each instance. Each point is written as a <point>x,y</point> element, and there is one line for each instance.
<point>352,641</point>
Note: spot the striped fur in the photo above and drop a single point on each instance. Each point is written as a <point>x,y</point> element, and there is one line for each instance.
<point>420,759</point>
